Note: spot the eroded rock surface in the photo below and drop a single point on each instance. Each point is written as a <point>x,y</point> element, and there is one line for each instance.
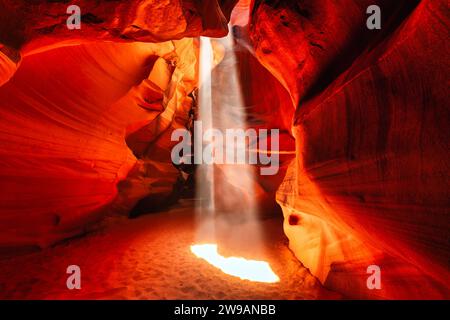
<point>65,116</point>
<point>84,122</point>
<point>370,182</point>
<point>35,26</point>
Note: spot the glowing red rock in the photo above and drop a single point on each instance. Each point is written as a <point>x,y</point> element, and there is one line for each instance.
<point>369,179</point>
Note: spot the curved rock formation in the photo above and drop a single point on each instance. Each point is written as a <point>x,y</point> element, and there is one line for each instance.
<point>64,152</point>
<point>111,74</point>
<point>40,25</point>
<point>86,118</point>
<point>9,62</point>
<point>370,182</point>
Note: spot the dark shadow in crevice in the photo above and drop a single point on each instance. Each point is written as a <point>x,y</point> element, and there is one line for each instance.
<point>364,40</point>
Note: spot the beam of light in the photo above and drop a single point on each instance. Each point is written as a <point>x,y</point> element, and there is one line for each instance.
<point>221,107</point>
<point>226,190</point>
<point>252,270</point>
<point>205,173</point>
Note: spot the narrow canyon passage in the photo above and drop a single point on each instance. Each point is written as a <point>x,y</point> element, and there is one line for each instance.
<point>298,135</point>
<point>150,258</point>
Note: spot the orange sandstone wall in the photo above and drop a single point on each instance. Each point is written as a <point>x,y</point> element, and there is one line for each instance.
<point>64,118</point>
<point>79,114</point>
<point>370,181</point>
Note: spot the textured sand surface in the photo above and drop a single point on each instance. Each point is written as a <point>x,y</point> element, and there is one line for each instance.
<point>150,258</point>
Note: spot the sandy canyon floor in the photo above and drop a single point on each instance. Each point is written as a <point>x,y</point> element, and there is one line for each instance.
<point>150,258</point>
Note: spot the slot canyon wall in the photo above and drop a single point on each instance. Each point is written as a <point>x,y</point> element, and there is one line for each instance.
<point>86,115</point>
<point>370,183</point>
<point>86,118</point>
